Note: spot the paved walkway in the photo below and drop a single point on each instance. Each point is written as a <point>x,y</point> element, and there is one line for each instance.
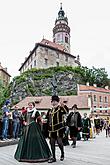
<point>8,142</point>
<point>92,152</point>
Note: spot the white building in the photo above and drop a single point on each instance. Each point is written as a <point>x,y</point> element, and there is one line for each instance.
<point>47,54</point>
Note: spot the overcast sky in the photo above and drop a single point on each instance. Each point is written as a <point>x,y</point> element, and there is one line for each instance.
<point>24,23</point>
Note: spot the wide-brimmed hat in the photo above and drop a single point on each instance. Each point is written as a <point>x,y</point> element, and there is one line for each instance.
<point>55,98</point>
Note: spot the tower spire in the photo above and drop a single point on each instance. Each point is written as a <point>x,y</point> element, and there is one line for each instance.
<point>60,6</point>
<point>61,13</point>
<point>61,31</point>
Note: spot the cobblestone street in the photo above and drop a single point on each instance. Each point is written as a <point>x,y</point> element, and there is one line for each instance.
<point>92,152</point>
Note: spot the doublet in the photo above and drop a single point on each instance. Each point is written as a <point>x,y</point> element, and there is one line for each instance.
<point>56,119</point>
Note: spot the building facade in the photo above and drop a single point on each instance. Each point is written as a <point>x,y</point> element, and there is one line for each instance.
<point>98,98</point>
<point>4,76</point>
<point>47,54</point>
<point>43,103</point>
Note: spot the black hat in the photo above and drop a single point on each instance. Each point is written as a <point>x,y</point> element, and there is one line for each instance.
<point>55,98</point>
<point>74,106</point>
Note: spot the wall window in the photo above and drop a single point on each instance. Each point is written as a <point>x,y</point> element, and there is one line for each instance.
<point>106,100</point>
<point>46,49</point>
<point>57,54</point>
<point>57,63</point>
<point>94,97</point>
<point>31,57</point>
<point>34,62</point>
<point>100,98</point>
<point>66,39</point>
<point>58,37</point>
<point>46,61</point>
<point>35,53</point>
<point>66,58</point>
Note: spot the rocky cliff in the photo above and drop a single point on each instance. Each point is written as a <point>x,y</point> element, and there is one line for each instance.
<point>60,80</point>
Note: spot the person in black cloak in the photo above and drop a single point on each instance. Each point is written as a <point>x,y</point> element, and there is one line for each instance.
<point>74,123</point>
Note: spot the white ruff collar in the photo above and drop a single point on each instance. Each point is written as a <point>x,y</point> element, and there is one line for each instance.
<point>34,110</point>
<point>31,110</point>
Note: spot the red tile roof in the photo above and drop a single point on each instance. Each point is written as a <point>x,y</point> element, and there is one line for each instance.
<point>52,44</point>
<point>92,88</point>
<point>44,102</point>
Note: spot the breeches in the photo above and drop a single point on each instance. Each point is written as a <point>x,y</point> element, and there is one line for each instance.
<point>60,144</point>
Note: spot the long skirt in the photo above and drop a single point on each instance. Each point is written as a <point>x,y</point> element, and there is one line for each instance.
<point>85,133</point>
<point>32,146</point>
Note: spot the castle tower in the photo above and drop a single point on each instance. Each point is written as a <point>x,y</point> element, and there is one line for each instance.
<point>61,31</point>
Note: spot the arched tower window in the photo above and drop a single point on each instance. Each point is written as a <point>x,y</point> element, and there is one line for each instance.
<point>66,39</point>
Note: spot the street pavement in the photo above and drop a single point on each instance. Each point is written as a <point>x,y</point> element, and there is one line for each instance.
<point>92,152</point>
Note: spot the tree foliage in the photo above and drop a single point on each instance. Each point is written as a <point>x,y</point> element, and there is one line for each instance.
<point>94,76</point>
<point>4,93</point>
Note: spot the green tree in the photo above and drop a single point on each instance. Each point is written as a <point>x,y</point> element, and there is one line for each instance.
<point>2,98</point>
<point>4,93</point>
<point>94,76</point>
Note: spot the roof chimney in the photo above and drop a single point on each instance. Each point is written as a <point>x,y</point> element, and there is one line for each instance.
<point>95,85</point>
<point>5,69</point>
<point>106,87</point>
<point>87,83</point>
<point>78,58</point>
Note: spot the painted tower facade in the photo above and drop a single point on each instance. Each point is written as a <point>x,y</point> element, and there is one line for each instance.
<point>61,31</point>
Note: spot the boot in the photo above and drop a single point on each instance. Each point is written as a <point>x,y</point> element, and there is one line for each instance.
<point>51,160</point>
<point>62,156</point>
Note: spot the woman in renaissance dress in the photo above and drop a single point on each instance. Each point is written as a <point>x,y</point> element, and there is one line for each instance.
<point>86,127</point>
<point>32,146</point>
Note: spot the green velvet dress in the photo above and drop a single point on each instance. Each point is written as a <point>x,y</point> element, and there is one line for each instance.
<point>32,146</point>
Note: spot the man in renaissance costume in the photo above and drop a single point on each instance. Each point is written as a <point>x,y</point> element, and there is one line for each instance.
<point>56,126</point>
